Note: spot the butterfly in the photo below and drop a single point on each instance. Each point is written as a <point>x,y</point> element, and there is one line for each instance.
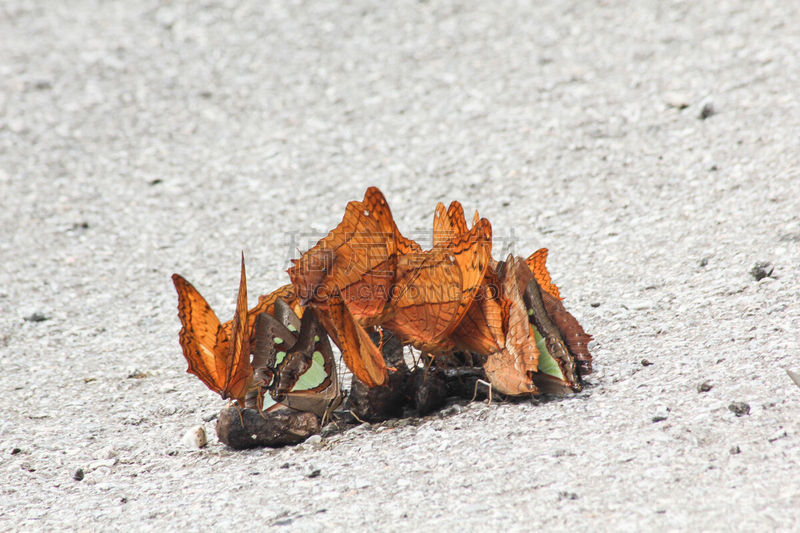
<point>482,329</point>
<point>510,369</point>
<point>293,358</point>
<point>347,278</point>
<point>568,328</point>
<point>434,289</point>
<point>220,357</point>
<point>356,259</point>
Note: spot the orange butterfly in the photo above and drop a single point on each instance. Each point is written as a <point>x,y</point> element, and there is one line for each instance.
<point>496,323</point>
<point>219,359</point>
<point>482,329</point>
<point>347,277</point>
<point>434,289</point>
<point>510,369</point>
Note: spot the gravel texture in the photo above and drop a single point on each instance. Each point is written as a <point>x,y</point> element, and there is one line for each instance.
<point>651,146</point>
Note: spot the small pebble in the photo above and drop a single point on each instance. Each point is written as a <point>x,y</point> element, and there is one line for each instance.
<point>195,437</point>
<point>595,304</point>
<point>451,411</point>
<point>78,474</point>
<point>15,451</point>
<point>707,110</point>
<point>704,387</point>
<point>314,440</point>
<point>36,317</point>
<point>315,473</point>
<point>739,408</point>
<point>735,450</point>
<point>761,270</point>
<point>645,362</point>
<point>795,376</point>
<point>677,100</point>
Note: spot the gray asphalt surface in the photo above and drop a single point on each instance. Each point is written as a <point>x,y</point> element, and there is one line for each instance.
<point>138,139</point>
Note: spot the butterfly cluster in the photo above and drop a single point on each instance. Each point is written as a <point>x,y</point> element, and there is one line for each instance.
<point>364,278</point>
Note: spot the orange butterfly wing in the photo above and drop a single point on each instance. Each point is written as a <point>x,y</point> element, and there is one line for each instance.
<point>221,360</point>
<point>482,330</point>
<point>202,339</point>
<point>448,224</point>
<point>434,289</point>
<point>427,298</point>
<point>472,253</point>
<point>239,373</point>
<point>358,351</point>
<point>536,263</point>
<point>510,370</point>
<point>356,259</point>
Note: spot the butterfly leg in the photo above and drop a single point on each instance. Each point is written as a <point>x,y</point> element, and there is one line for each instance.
<point>427,363</point>
<point>475,394</point>
<point>238,410</point>
<point>356,416</point>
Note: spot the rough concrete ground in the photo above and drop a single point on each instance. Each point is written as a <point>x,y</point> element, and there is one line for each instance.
<point>138,139</point>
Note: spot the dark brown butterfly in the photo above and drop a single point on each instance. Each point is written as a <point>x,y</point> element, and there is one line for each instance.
<point>576,338</point>
<point>294,361</point>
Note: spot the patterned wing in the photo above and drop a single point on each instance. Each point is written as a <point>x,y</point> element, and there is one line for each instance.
<point>510,370</point>
<point>536,263</point>
<point>317,388</point>
<point>427,299</point>
<point>572,332</point>
<point>238,371</point>
<point>482,330</point>
<point>556,363</point>
<point>356,259</point>
<point>435,289</point>
<point>448,224</point>
<point>472,252</point>
<point>360,354</point>
<point>375,202</point>
<point>200,335</point>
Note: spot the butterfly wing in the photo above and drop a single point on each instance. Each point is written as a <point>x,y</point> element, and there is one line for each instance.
<point>472,252</point>
<point>358,351</point>
<point>434,289</point>
<point>238,371</point>
<point>448,224</point>
<point>201,335</point>
<point>536,264</point>
<point>482,330</point>
<point>511,368</point>
<point>317,389</point>
<point>573,334</point>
